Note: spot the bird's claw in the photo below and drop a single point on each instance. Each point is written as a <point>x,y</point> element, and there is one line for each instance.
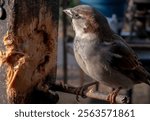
<point>125,100</point>
<point>112,96</point>
<point>81,90</point>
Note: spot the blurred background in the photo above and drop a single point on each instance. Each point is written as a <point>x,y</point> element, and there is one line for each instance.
<point>128,18</point>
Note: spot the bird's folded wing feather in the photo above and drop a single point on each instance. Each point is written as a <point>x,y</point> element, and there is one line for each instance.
<point>123,57</point>
<point>124,60</point>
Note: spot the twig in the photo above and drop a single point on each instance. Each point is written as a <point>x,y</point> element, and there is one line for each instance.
<point>101,96</point>
<point>95,95</point>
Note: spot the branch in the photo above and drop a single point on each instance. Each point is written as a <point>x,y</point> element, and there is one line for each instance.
<point>57,86</point>
<point>101,96</point>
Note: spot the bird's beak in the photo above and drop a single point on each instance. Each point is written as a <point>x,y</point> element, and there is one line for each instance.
<point>68,12</point>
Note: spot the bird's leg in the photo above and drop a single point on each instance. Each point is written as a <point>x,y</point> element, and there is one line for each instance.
<point>81,90</point>
<point>112,96</point>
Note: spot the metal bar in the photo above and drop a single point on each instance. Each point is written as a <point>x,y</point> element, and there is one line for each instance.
<point>65,63</point>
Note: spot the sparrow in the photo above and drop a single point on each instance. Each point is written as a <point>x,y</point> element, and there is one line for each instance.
<point>102,54</point>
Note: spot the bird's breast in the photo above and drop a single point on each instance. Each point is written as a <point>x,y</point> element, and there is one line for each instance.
<point>88,57</point>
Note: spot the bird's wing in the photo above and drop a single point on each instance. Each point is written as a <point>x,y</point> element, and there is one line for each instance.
<point>123,57</point>
<point>124,60</point>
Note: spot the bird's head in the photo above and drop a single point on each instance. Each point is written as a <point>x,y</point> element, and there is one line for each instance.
<point>86,19</point>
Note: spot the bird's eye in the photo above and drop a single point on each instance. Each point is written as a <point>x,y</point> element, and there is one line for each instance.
<point>76,16</point>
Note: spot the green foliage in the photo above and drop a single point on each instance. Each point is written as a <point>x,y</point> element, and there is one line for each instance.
<point>72,3</point>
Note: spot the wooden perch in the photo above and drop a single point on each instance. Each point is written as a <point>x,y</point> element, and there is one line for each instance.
<point>100,96</point>
<point>57,86</point>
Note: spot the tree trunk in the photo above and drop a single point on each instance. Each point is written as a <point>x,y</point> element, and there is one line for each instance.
<point>30,41</point>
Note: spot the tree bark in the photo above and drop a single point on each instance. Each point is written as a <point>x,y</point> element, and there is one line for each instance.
<point>30,49</point>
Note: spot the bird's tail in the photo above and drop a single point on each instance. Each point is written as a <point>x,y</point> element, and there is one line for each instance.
<point>148,80</point>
